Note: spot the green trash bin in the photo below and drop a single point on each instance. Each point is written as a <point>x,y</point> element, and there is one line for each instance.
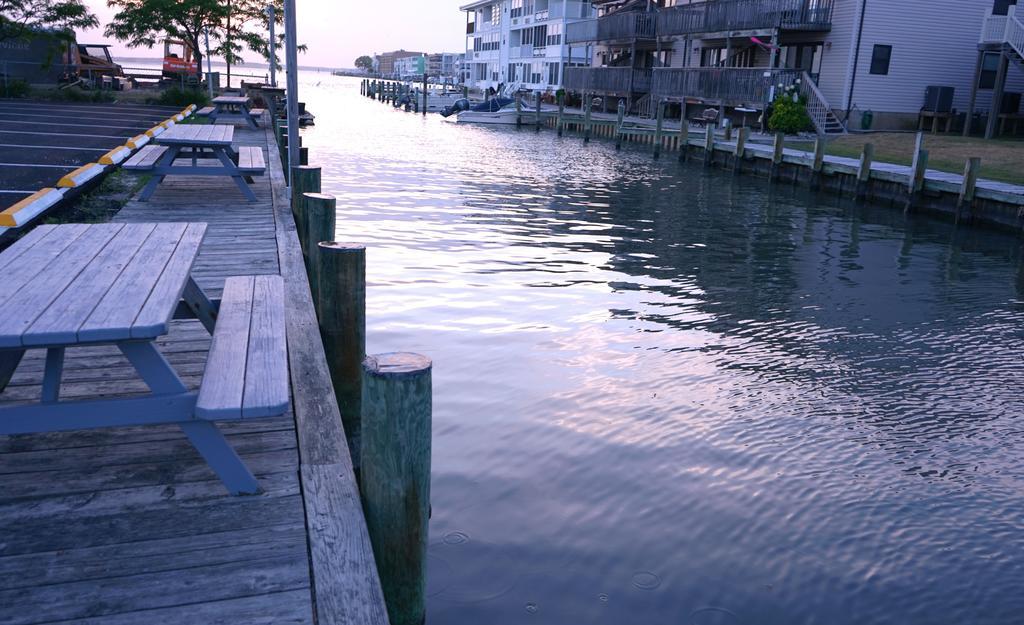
<point>866,119</point>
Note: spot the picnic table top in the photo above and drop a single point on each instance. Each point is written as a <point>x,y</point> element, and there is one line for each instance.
<point>79,283</point>
<point>230,99</point>
<point>196,134</point>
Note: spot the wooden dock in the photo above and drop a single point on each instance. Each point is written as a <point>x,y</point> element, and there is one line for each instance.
<point>130,525</point>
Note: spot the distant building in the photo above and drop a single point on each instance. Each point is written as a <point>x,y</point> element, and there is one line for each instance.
<point>386,61</point>
<point>522,42</point>
<point>446,65</point>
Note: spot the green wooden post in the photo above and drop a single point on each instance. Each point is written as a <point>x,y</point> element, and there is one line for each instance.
<point>588,105</point>
<point>426,92</point>
<point>620,115</point>
<point>321,215</point>
<point>867,155</point>
<point>342,313</point>
<point>741,149</point>
<point>968,187</point>
<point>396,430</point>
<point>561,113</point>
<point>303,156</point>
<point>305,179</point>
<point>519,111</point>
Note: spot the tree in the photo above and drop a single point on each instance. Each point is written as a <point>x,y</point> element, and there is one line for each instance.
<point>364,63</point>
<point>58,18</point>
<point>245,24</point>
<point>144,22</point>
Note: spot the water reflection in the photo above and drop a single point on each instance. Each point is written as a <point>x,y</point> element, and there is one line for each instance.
<point>663,395</point>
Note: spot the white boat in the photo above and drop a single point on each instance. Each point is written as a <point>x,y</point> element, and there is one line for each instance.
<point>504,115</point>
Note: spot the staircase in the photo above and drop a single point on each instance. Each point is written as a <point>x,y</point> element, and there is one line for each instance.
<point>825,121</point>
<point>645,106</point>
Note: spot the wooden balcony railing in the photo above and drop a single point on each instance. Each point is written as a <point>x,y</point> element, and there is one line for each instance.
<point>734,86</point>
<point>725,15</point>
<point>608,80</point>
<point>626,25</point>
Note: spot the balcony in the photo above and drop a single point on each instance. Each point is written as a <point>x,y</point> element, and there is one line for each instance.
<point>624,26</point>
<point>621,81</point>
<point>730,15</point>
<point>733,86</point>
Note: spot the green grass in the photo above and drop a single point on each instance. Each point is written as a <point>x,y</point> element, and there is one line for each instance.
<point>103,202</point>
<point>1000,158</point>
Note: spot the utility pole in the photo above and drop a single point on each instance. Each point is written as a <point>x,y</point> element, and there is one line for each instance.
<point>273,46</point>
<point>209,65</point>
<point>291,55</point>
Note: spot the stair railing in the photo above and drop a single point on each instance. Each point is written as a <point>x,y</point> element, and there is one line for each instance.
<point>817,106</point>
<point>1014,34</point>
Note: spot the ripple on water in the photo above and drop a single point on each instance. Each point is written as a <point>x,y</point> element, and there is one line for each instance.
<point>645,366</point>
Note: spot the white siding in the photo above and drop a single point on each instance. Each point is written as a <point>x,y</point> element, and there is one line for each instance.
<point>934,42</point>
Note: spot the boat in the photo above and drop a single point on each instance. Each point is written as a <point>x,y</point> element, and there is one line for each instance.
<point>493,111</point>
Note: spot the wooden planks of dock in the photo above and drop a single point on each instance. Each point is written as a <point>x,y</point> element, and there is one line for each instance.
<point>129,525</point>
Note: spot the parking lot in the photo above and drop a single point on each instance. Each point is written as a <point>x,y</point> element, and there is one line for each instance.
<point>40,142</point>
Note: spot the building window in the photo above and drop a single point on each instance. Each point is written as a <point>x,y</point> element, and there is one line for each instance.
<point>989,69</point>
<point>517,9</point>
<point>555,34</point>
<point>880,57</point>
<point>552,73</point>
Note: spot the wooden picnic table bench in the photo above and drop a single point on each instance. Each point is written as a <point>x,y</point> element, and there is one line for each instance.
<point>78,285</point>
<point>233,108</point>
<point>195,142</point>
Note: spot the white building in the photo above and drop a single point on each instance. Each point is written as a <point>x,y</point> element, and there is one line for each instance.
<point>849,56</point>
<point>521,42</point>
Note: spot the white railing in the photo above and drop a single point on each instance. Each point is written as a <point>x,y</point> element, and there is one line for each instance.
<point>817,105</point>
<point>994,29</point>
<point>1014,31</point>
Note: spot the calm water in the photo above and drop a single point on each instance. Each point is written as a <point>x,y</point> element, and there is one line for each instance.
<point>663,396</point>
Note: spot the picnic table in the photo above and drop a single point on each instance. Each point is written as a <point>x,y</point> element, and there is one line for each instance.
<point>233,108</point>
<point>193,141</point>
<point>79,285</point>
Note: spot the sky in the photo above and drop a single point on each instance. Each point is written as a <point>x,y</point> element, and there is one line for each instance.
<point>338,31</point>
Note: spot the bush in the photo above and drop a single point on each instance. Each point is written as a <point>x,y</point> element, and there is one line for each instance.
<point>15,88</point>
<point>176,96</point>
<point>74,94</point>
<point>789,112</point>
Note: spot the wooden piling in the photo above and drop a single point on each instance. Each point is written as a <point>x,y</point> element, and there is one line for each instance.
<point>396,431</point>
<point>538,112</point>
<point>709,145</point>
<point>559,123</point>
<point>915,181</point>
<point>321,213</point>
<point>659,127</point>
<point>305,179</point>
<point>588,105</point>
<point>426,92</point>
<point>741,149</point>
<point>867,155</point>
<point>341,310</point>
<point>303,156</point>
<point>818,163</point>
<point>778,147</point>
<point>968,188</point>
<point>620,115</point>
<point>684,137</point>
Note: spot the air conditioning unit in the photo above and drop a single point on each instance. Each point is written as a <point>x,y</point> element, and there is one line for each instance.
<point>938,99</point>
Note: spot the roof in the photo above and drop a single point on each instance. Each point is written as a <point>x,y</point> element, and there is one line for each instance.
<point>478,4</point>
